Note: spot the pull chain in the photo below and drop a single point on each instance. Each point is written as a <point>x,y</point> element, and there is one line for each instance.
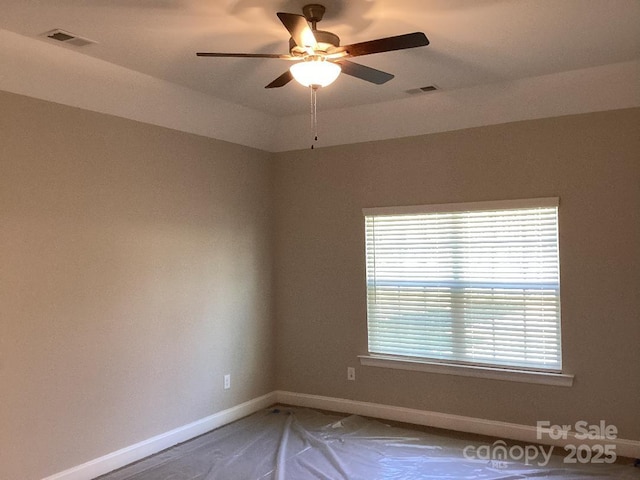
<point>314,114</point>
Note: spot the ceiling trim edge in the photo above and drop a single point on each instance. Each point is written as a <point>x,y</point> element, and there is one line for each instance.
<point>38,69</point>
<point>609,87</point>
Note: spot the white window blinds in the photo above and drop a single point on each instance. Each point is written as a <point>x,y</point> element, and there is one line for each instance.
<point>467,283</point>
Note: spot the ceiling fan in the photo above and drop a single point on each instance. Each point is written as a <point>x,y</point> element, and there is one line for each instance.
<point>319,56</point>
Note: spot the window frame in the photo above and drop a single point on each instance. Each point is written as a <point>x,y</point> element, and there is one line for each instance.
<point>475,369</point>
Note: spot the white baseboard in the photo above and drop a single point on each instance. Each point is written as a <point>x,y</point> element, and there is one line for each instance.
<point>512,431</point>
<point>133,453</point>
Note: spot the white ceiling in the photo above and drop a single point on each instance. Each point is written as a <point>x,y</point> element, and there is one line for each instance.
<point>475,44</point>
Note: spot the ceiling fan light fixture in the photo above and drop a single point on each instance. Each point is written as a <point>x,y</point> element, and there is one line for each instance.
<point>315,71</point>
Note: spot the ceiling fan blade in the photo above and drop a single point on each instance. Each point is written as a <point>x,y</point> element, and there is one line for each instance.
<point>299,29</point>
<point>399,42</point>
<point>365,73</point>
<point>281,81</point>
<point>243,55</point>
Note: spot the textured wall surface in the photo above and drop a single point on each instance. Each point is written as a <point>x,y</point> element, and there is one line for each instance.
<point>135,269</point>
<point>591,161</point>
<point>138,265</point>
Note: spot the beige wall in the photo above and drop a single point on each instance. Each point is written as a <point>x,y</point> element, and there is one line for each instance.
<point>135,270</point>
<point>592,162</point>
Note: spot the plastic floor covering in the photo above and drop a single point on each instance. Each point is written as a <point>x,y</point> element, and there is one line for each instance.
<point>299,444</point>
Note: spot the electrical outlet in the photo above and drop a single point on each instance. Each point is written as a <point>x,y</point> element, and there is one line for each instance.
<point>227,381</point>
<point>351,373</point>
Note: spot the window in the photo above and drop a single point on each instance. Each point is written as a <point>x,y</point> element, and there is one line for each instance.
<point>472,284</point>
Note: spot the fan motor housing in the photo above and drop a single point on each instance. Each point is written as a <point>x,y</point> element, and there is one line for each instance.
<point>325,40</point>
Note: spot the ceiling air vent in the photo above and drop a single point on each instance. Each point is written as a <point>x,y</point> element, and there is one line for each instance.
<point>428,88</point>
<point>67,38</point>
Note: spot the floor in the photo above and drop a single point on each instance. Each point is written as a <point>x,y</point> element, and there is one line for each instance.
<point>299,444</point>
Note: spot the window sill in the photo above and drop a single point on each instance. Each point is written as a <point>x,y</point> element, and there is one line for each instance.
<point>511,375</point>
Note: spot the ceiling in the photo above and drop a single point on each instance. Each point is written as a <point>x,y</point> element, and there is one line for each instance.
<point>474,43</point>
